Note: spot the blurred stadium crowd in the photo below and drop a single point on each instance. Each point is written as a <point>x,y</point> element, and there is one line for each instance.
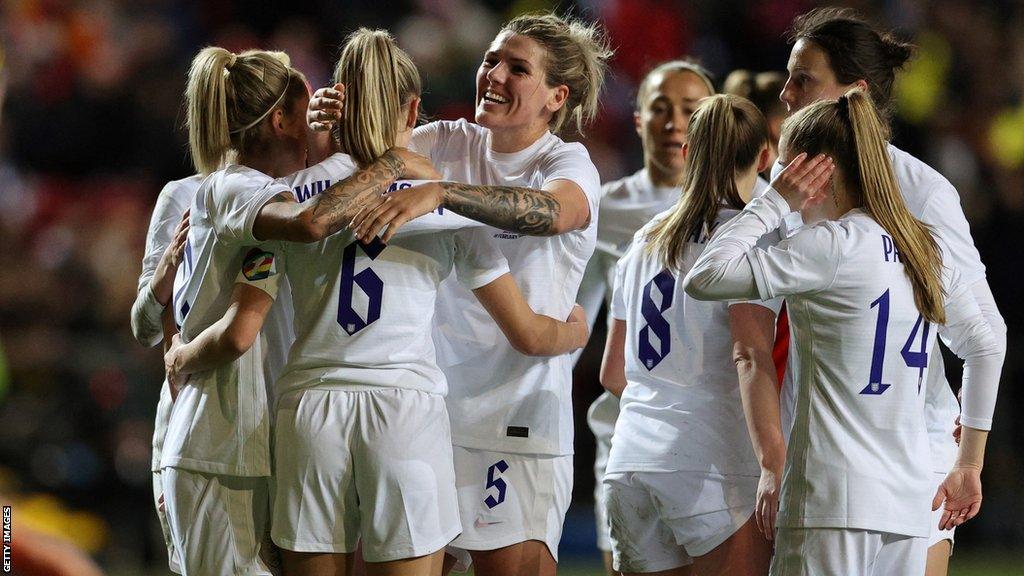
<point>90,130</point>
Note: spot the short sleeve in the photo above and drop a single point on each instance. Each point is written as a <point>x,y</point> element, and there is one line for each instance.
<point>944,214</point>
<point>236,201</point>
<point>478,260</point>
<point>807,262</point>
<point>424,138</point>
<point>618,309</point>
<point>262,267</point>
<point>572,162</point>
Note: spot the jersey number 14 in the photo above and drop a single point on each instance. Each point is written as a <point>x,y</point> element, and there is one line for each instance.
<point>913,359</point>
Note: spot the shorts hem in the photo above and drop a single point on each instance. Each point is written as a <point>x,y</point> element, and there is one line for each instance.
<point>651,566</point>
<point>310,547</point>
<point>480,546</point>
<point>715,540</point>
<point>406,552</point>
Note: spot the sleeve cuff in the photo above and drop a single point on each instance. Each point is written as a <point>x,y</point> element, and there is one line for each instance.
<point>976,423</point>
<point>485,278</point>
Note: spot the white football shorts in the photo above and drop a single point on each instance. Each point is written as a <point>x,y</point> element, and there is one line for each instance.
<point>218,523</point>
<point>845,552</point>
<point>507,498</point>
<point>662,520</point>
<point>375,465</point>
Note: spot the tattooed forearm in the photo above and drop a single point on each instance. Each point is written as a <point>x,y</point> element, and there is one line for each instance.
<point>335,207</point>
<point>523,210</point>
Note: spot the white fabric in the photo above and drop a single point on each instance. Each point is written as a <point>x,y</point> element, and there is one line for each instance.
<point>363,312</point>
<point>507,498</point>
<point>932,199</point>
<point>661,520</point>
<point>493,387</point>
<point>375,465</point>
<point>165,528</point>
<point>681,407</point>
<point>601,419</point>
<point>838,552</point>
<point>854,453</point>
<point>218,523</point>
<point>172,202</point>
<point>220,422</point>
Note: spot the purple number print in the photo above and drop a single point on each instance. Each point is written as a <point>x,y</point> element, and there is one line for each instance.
<point>665,283</point>
<point>492,482</point>
<point>917,359</point>
<point>367,280</point>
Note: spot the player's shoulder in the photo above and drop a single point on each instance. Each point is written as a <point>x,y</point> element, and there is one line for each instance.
<point>335,167</point>
<point>622,190</point>
<point>185,187</point>
<point>917,180</point>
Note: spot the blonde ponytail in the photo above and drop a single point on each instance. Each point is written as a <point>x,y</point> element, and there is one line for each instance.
<point>880,192</point>
<point>229,95</point>
<point>725,136</point>
<point>379,79</point>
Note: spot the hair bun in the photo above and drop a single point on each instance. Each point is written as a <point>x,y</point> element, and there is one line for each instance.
<point>897,52</point>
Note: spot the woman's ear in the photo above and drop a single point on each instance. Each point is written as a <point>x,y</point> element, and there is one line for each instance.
<point>686,151</point>
<point>558,98</point>
<point>764,158</point>
<point>413,114</point>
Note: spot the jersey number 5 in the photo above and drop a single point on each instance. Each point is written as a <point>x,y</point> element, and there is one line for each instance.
<point>492,482</point>
<point>918,359</point>
<point>652,312</point>
<point>367,281</point>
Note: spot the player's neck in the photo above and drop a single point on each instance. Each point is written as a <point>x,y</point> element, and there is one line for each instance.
<point>511,140</point>
<point>661,177</point>
<point>273,163</point>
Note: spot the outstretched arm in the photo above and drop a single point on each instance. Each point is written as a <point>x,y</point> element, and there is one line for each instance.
<point>560,207</point>
<point>531,333</point>
<point>282,218</point>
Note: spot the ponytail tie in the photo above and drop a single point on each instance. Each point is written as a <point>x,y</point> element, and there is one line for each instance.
<point>231,62</point>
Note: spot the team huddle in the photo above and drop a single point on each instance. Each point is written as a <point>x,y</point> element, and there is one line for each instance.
<point>369,322</point>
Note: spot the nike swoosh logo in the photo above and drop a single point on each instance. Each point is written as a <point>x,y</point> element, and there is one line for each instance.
<point>479,524</point>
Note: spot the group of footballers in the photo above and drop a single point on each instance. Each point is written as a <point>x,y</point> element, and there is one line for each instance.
<point>337,401</point>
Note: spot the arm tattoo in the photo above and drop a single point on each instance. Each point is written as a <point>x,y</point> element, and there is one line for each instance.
<point>340,203</point>
<point>524,210</point>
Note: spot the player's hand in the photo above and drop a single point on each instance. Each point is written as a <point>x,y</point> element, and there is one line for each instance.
<point>959,495</point>
<point>326,108</point>
<point>958,430</point>
<point>395,209</point>
<point>163,278</point>
<point>804,182</point>
<point>581,329</point>
<point>766,510</point>
<point>175,378</point>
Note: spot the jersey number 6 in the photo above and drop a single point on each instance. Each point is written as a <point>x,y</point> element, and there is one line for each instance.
<point>367,281</point>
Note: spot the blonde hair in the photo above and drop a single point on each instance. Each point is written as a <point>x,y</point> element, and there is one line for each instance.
<point>228,97</point>
<point>577,54</point>
<point>851,131</point>
<point>725,135</point>
<point>673,67</point>
<point>379,79</point>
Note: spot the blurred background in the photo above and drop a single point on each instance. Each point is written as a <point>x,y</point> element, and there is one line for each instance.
<point>91,129</point>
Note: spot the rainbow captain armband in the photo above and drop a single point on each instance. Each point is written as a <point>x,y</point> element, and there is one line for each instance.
<point>259,270</point>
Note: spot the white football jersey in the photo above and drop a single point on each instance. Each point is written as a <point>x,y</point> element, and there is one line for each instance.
<point>934,201</point>
<point>363,312</point>
<point>681,408</point>
<point>863,352</point>
<point>172,202</point>
<point>220,421</point>
<point>501,400</point>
